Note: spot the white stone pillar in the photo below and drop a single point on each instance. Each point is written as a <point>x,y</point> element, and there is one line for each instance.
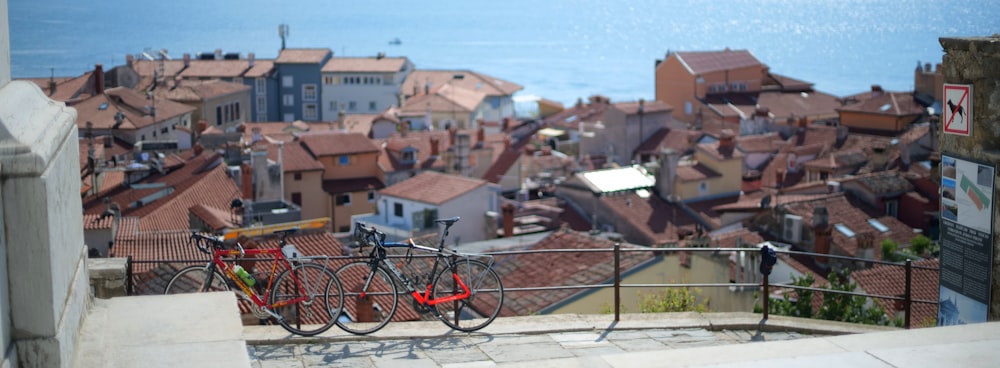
<point>42,214</point>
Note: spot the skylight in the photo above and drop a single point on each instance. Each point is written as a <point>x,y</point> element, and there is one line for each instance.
<point>571,119</point>
<point>885,107</point>
<point>878,225</point>
<point>843,229</point>
<point>104,106</point>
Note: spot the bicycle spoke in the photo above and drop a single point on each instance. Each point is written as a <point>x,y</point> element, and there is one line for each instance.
<point>480,307</point>
<point>312,296</point>
<point>370,298</point>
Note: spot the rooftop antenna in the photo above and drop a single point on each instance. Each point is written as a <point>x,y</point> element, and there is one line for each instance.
<point>283,33</point>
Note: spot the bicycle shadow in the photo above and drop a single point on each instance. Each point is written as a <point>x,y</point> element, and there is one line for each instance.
<point>396,348</point>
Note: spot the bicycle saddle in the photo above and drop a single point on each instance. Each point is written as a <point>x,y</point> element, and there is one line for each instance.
<point>448,221</point>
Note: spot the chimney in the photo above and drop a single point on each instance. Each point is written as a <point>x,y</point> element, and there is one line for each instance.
<point>506,142</point>
<point>727,142</point>
<point>130,61</point>
<point>342,120</point>
<point>821,234</point>
<point>404,128</point>
<point>505,125</point>
<point>841,135</point>
<point>877,90</point>
<point>480,137</point>
<point>546,151</point>
<point>202,125</point>
<point>187,60</point>
<point>667,175</point>
<point>866,244</point>
<point>98,79</point>
<point>434,147</point>
<point>779,178</point>
<point>452,132</point>
<point>803,122</point>
<point>762,112</point>
<point>251,58</point>
<point>508,220</point>
<point>246,181</point>
<point>218,54</point>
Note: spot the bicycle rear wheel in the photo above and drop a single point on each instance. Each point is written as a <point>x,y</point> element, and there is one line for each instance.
<point>366,309</point>
<point>480,307</point>
<point>195,279</point>
<point>321,306</point>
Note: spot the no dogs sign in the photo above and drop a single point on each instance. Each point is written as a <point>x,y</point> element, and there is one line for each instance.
<point>957,114</point>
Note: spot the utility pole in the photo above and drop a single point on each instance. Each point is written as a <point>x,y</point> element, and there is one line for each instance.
<point>283,33</point>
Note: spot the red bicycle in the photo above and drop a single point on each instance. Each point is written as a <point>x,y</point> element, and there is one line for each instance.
<point>305,297</point>
<point>464,293</point>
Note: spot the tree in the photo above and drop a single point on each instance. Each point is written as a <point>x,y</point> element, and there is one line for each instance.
<point>920,244</point>
<point>680,299</point>
<point>835,306</point>
<point>889,250</point>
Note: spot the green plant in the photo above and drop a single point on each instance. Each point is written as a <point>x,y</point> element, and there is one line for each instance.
<point>920,244</point>
<point>889,247</point>
<point>835,306</point>
<point>672,300</point>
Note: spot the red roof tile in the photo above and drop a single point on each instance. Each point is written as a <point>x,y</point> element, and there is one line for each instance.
<point>260,69</point>
<point>560,269</point>
<point>890,280</point>
<point>841,211</point>
<point>364,64</point>
<point>303,56</point>
<point>469,80</point>
<point>654,221</point>
<point>215,69</point>
<point>336,143</point>
<point>701,62</point>
<point>433,187</point>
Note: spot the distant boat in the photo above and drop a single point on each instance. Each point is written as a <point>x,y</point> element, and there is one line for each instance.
<point>396,41</point>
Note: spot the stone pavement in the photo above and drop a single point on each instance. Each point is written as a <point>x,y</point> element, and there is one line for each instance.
<point>553,340</point>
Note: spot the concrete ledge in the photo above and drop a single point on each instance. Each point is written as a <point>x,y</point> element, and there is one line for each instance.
<point>187,330</point>
<point>556,323</point>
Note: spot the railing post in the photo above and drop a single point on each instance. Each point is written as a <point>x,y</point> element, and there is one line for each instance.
<point>907,299</point>
<point>618,281</point>
<point>766,296</point>
<point>129,285</point>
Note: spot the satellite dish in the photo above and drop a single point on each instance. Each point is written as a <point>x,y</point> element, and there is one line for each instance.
<point>766,201</point>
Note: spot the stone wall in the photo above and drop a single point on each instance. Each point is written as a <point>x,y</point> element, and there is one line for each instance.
<point>976,61</point>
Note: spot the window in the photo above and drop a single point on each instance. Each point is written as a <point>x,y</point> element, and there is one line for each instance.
<point>309,92</point>
<point>261,105</point>
<point>142,138</point>
<point>703,188</point>
<point>288,117</point>
<point>351,106</point>
<point>289,100</point>
<point>344,199</point>
<point>236,111</point>
<point>310,112</point>
<point>218,115</point>
<point>297,198</point>
<point>227,112</point>
<point>892,208</point>
<point>687,107</point>
<point>287,81</point>
<point>261,86</point>
<point>371,106</point>
<point>333,106</point>
<point>164,130</point>
<point>409,156</point>
<point>371,196</point>
<point>238,80</point>
<point>297,176</point>
<point>328,80</point>
<point>397,209</point>
<point>344,160</point>
<point>154,134</point>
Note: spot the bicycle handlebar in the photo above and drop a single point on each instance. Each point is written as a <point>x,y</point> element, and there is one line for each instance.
<point>216,242</point>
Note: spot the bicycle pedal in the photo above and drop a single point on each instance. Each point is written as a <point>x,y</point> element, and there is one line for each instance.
<point>420,308</point>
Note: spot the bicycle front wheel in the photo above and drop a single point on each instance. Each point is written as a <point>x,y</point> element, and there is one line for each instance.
<point>195,279</point>
<point>480,307</point>
<point>309,297</point>
<point>370,298</point>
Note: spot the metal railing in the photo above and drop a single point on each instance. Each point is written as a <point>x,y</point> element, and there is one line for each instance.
<point>149,284</point>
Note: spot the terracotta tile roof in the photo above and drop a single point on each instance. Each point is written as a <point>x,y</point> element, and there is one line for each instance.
<point>842,211</point>
<point>392,147</point>
<point>506,160</point>
<point>302,56</point>
<point>296,157</point>
<point>759,143</point>
<point>359,123</point>
<point>890,280</point>
<point>753,201</point>
<point>655,220</point>
<point>94,221</point>
<point>101,109</point>
<point>433,187</point>
<point>199,91</point>
<point>714,150</point>
<point>216,219</point>
<point>705,210</point>
<point>67,89</point>
<point>812,104</point>
<point>146,68</point>
<point>215,69</point>
<point>680,140</point>
<point>364,65</point>
<point>560,269</point>
<point>887,103</point>
<point>260,69</point>
<point>443,99</point>
<point>473,81</point>
<point>197,182</point>
<point>336,143</point>
<point>786,83</point>
<point>701,62</point>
